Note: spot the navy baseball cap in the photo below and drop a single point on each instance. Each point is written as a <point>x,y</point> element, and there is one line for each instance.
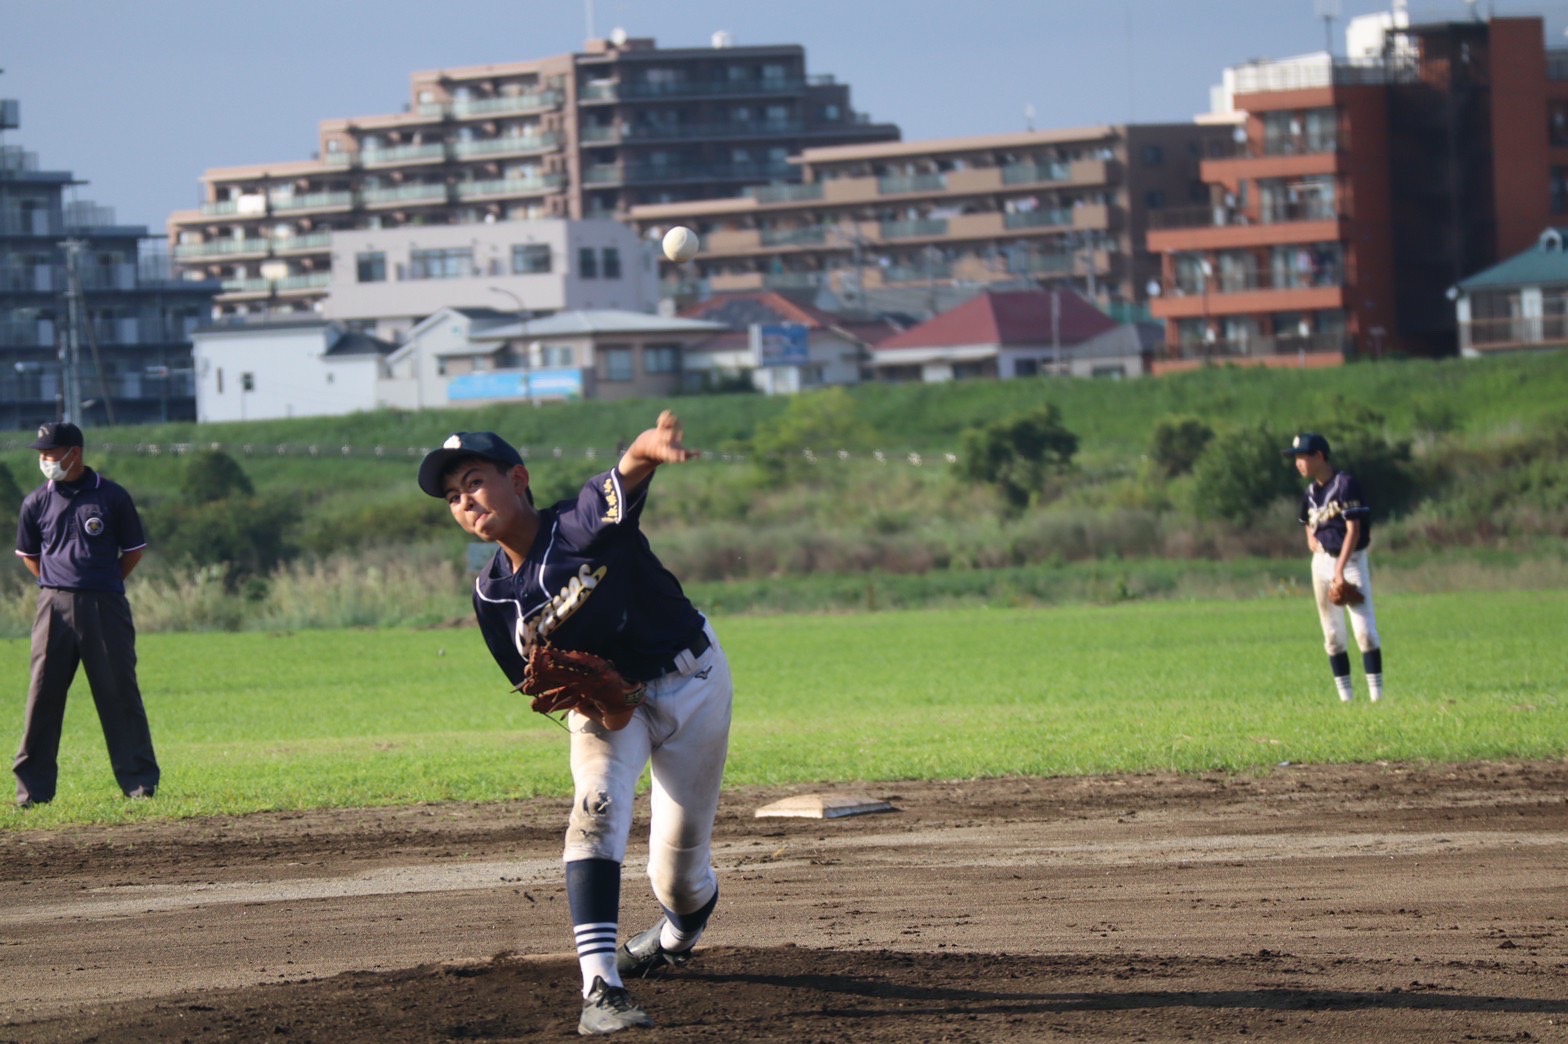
<point>486,444</point>
<point>58,435</point>
<point>1306,444</point>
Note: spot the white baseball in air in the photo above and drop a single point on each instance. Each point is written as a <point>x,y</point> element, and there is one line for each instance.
<point>681,244</point>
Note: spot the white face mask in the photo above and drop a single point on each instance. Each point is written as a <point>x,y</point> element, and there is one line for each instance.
<point>54,470</point>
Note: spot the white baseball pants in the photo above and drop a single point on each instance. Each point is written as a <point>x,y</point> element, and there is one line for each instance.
<point>1363,620</point>
<point>683,728</point>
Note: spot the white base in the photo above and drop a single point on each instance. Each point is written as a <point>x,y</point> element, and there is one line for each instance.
<point>823,806</point>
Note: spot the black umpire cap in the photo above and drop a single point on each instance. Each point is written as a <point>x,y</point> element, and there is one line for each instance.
<point>486,444</point>
<point>1306,444</point>
<point>58,435</point>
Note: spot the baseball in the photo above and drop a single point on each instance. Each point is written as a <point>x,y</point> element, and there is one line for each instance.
<point>681,244</point>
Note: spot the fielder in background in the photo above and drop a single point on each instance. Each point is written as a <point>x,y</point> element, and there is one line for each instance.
<point>80,536</point>
<point>580,575</point>
<point>1338,522</point>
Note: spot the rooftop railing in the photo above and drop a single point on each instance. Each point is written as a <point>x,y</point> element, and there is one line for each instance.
<point>1262,77</point>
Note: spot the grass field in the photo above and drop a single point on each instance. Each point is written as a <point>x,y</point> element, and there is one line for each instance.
<point>249,722</point>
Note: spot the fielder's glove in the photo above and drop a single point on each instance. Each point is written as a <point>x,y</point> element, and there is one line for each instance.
<point>1343,592</point>
<point>568,680</point>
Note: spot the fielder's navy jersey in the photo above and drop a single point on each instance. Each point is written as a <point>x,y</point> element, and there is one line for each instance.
<point>1325,508</point>
<point>77,531</point>
<point>591,583</point>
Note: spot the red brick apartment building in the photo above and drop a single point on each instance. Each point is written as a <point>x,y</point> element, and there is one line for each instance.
<point>1358,193</point>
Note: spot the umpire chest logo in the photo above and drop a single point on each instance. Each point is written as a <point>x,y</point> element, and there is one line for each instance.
<point>93,526</point>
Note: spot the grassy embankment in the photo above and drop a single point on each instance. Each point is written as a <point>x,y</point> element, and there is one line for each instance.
<point>862,534</point>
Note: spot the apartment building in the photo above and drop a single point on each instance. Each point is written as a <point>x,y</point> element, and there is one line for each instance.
<point>590,134</point>
<point>1063,207</point>
<point>94,328</point>
<point>1361,190</point>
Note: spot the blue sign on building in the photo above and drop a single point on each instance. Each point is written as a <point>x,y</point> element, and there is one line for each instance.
<point>780,344</point>
<point>516,384</point>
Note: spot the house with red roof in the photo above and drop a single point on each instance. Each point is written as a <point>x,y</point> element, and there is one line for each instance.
<point>1007,334</point>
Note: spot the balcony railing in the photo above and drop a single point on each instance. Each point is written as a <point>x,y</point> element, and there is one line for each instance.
<point>904,184</point>
<point>913,229</point>
<point>785,193</point>
<point>1327,274</point>
<point>633,173</point>
<point>506,145</point>
<point>1049,218</point>
<point>506,104</point>
<point>791,280</point>
<point>32,279</point>
<point>312,201</point>
<point>37,223</point>
<point>19,333</point>
<point>1257,347</point>
<point>1232,217</point>
<point>689,89</point>
<point>301,244</point>
<point>220,248</point>
<point>1031,173</point>
<point>404,194</point>
<point>402,154</point>
<point>792,236</point>
<point>758,129</point>
<point>921,273</point>
<point>509,186</point>
<point>1524,330</point>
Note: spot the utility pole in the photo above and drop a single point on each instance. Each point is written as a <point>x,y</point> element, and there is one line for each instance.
<point>70,348</point>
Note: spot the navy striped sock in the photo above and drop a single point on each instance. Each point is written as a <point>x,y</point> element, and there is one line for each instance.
<point>593,892</point>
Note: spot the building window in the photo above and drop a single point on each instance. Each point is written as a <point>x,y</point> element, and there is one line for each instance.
<point>247,382</point>
<point>558,356</point>
<point>371,268</point>
<point>1559,190</point>
<point>1154,199</point>
<point>661,358</point>
<point>587,263</point>
<point>451,263</point>
<point>1026,368</point>
<point>531,259</point>
<point>617,364</point>
<point>1153,155</point>
<point>611,258</point>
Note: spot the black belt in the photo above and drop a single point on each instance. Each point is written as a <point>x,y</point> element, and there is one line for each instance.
<point>698,646</point>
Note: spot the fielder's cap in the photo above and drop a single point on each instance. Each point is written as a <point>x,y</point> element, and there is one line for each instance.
<point>58,435</point>
<point>486,444</point>
<point>1306,444</point>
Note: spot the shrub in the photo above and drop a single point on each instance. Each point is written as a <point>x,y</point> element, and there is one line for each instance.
<point>211,475</point>
<point>10,493</point>
<point>1020,455</point>
<point>1240,474</point>
<point>1177,443</point>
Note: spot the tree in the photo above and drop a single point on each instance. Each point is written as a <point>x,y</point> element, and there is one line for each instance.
<point>1177,443</point>
<point>1017,455</point>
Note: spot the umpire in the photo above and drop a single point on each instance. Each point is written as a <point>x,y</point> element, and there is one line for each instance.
<point>80,535</point>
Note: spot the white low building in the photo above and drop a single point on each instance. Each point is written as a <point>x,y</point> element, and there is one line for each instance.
<point>284,368</point>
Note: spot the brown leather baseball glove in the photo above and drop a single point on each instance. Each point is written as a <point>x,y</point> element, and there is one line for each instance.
<point>1343,592</point>
<point>569,680</point>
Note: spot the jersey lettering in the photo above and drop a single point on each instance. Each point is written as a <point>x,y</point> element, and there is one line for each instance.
<point>561,607</point>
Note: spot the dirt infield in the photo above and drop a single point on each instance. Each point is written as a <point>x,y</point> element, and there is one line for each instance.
<point>1316,903</point>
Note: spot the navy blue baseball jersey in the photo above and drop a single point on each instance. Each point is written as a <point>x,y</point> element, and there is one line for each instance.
<point>591,583</point>
<point>1326,508</point>
<point>77,531</point>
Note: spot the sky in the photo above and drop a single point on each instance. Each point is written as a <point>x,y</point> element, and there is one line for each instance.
<point>139,97</point>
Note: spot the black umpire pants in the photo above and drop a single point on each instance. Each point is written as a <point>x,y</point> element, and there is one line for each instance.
<point>93,630</point>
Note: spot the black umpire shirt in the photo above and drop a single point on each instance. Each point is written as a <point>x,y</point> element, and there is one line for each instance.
<point>78,531</point>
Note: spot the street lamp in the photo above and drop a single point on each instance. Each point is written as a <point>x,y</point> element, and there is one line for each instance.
<point>523,316</point>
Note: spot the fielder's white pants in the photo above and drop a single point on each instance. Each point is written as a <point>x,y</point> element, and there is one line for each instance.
<point>683,727</point>
<point>1363,620</point>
